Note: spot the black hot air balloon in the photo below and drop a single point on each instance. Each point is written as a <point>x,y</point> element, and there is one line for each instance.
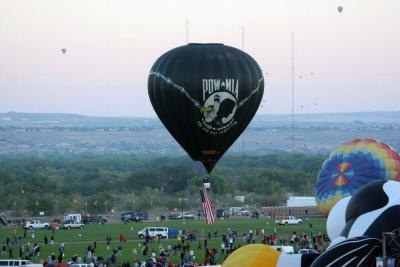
<point>205,95</point>
<point>340,9</point>
<point>64,50</point>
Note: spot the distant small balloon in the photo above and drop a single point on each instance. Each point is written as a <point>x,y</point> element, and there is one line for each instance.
<point>340,9</point>
<point>64,50</point>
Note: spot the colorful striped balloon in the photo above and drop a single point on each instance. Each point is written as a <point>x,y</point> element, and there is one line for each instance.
<point>352,165</point>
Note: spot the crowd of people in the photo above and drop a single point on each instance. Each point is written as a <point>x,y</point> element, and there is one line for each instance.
<point>154,253</point>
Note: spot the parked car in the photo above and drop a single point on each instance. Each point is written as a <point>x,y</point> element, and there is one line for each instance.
<point>72,224</point>
<point>133,216</point>
<point>181,215</point>
<point>289,220</point>
<point>96,219</point>
<point>186,216</point>
<point>36,224</point>
<point>173,216</point>
<point>239,211</point>
<point>220,213</point>
<point>153,232</point>
<point>143,215</point>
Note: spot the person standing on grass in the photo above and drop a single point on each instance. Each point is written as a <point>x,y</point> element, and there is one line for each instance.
<point>108,242</point>
<point>4,250</point>
<point>147,236</point>
<point>134,252</point>
<point>89,252</point>
<point>37,250</point>
<point>10,250</point>
<point>14,233</point>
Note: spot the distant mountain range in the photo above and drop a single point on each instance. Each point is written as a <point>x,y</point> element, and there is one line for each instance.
<point>18,119</point>
<point>70,134</point>
<point>369,117</point>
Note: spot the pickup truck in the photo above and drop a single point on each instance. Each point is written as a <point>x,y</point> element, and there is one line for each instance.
<point>289,220</point>
<point>36,224</point>
<point>72,224</point>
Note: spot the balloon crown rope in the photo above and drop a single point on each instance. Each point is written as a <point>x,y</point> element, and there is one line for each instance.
<point>197,104</point>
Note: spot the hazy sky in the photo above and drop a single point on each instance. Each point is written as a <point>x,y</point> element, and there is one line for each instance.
<point>355,55</point>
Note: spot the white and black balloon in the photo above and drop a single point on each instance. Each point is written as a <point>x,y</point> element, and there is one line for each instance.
<point>374,209</point>
<point>337,218</point>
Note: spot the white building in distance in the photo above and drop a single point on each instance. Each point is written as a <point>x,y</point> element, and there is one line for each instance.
<point>294,201</point>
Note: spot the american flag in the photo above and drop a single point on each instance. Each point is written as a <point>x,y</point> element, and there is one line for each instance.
<point>207,207</point>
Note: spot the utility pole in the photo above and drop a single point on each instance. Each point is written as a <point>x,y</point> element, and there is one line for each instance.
<point>293,69</point>
<point>187,31</point>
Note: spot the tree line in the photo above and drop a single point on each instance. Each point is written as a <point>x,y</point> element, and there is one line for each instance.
<point>98,184</point>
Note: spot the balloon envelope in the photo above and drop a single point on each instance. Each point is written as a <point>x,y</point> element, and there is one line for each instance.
<point>374,209</point>
<point>340,9</point>
<point>352,165</point>
<point>205,95</point>
<point>260,255</point>
<point>337,218</point>
<point>253,255</point>
<point>358,251</point>
<point>63,50</point>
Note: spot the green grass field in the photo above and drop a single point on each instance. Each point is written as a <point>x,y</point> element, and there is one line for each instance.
<point>77,240</point>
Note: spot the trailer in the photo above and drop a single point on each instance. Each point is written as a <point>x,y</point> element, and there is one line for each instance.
<point>76,217</point>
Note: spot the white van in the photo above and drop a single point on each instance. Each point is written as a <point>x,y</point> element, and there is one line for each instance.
<point>284,249</point>
<point>154,232</point>
<point>18,262</point>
